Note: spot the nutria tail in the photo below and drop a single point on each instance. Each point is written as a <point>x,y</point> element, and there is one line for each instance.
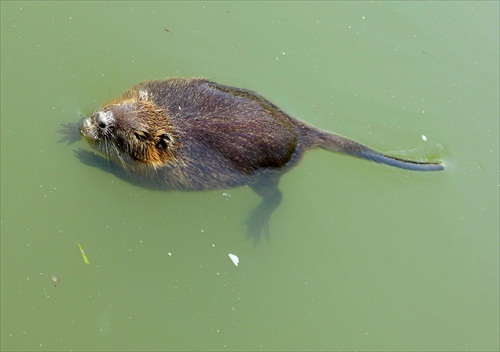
<point>312,137</point>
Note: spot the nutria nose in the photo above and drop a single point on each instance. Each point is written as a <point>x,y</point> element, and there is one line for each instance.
<point>85,128</point>
<point>104,119</point>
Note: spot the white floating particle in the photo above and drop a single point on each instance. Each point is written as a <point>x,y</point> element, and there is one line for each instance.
<point>424,138</point>
<point>169,254</point>
<point>234,259</point>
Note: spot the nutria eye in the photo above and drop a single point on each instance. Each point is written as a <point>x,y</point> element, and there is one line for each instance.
<point>139,136</point>
<point>102,125</point>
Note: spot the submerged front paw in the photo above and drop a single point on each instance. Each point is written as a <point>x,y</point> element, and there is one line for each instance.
<point>70,133</point>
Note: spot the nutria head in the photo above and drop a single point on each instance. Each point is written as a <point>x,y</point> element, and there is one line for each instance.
<point>132,131</point>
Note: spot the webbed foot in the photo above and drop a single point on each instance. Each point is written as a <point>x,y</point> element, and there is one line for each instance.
<point>258,221</point>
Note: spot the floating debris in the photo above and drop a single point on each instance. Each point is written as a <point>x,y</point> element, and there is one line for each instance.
<point>424,138</point>
<point>56,281</point>
<point>234,259</point>
<point>83,254</point>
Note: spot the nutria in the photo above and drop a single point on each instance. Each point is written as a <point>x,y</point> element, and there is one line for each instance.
<point>194,134</point>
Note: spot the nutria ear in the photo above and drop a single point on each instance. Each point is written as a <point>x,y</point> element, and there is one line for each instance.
<point>140,135</point>
<point>164,141</point>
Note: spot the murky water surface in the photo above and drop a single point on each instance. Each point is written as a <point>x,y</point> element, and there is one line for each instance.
<point>361,256</point>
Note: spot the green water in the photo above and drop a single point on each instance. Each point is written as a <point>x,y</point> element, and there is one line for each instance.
<point>361,256</point>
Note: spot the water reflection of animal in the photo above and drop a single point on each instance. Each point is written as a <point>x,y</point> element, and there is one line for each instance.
<point>194,134</point>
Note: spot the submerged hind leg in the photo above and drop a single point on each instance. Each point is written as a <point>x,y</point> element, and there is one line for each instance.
<point>258,221</point>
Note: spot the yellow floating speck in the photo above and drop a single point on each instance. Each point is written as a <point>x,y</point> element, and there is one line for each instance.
<point>83,254</point>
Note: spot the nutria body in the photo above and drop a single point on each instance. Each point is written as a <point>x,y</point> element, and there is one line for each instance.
<point>194,134</point>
